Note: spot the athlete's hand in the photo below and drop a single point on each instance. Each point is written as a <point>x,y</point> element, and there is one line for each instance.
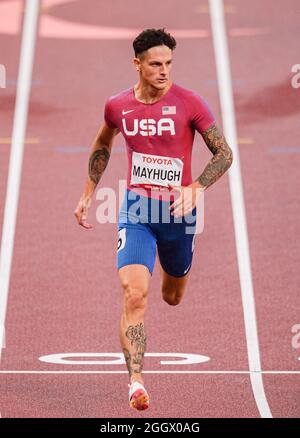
<point>187,200</point>
<point>81,211</point>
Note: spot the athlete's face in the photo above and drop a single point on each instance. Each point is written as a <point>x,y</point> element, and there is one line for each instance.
<point>155,66</point>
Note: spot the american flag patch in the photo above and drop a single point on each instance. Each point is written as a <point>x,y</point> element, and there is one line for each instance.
<point>168,110</point>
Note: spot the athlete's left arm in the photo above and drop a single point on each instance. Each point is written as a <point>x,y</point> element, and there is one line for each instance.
<point>217,166</point>
<point>221,160</point>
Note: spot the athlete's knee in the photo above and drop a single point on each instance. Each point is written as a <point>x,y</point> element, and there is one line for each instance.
<point>135,297</point>
<point>172,299</point>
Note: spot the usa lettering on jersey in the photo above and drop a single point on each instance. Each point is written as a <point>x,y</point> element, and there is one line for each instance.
<point>147,127</point>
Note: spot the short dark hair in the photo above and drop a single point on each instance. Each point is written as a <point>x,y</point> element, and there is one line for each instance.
<point>151,38</point>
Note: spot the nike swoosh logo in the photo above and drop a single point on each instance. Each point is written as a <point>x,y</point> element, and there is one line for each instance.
<point>126,112</point>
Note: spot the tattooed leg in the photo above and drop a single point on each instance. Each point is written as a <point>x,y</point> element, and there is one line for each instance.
<point>134,345</point>
<point>135,283</point>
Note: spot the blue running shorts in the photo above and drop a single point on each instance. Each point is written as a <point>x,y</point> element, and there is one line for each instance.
<point>145,224</point>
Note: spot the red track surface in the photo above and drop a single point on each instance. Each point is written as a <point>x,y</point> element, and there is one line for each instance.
<point>65,294</point>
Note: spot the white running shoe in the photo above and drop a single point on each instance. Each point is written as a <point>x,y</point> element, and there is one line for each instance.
<point>138,396</point>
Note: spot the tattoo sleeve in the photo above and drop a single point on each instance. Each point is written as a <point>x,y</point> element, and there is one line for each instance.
<point>97,163</point>
<point>134,358</point>
<point>222,159</point>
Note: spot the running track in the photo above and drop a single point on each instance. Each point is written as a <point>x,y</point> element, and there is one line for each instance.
<point>64,294</point>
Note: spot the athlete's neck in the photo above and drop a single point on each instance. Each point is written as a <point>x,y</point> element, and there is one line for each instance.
<point>145,93</point>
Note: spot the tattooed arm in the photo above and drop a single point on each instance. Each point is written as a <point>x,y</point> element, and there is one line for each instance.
<point>217,166</point>
<point>221,160</point>
<point>98,160</point>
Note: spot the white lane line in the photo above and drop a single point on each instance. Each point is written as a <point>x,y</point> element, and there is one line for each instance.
<point>237,201</point>
<point>147,372</point>
<point>16,155</point>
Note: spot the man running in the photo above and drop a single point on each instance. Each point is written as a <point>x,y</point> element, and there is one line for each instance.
<point>158,120</point>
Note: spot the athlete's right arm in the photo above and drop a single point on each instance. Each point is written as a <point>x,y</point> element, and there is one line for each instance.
<point>98,160</point>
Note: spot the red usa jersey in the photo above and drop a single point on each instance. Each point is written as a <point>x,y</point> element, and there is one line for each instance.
<point>159,136</point>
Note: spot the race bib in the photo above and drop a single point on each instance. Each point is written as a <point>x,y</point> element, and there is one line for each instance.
<point>156,170</point>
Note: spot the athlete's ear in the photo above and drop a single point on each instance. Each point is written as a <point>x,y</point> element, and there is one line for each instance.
<point>137,63</point>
